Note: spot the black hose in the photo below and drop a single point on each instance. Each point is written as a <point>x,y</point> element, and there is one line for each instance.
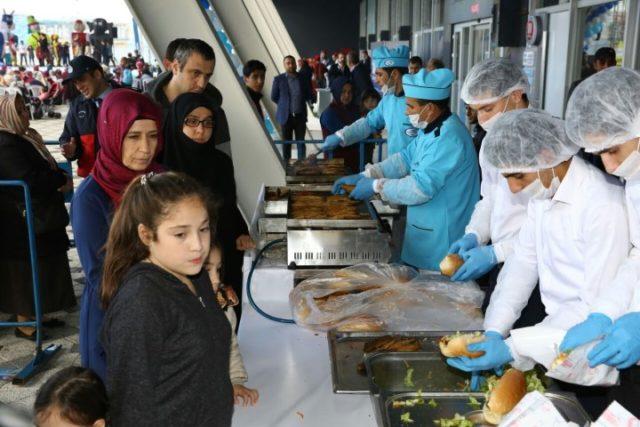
<point>253,267</point>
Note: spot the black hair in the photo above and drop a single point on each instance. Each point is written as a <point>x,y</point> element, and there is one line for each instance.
<point>251,66</point>
<point>77,393</point>
<point>442,104</point>
<point>353,57</point>
<point>606,55</point>
<point>172,47</point>
<point>416,60</point>
<point>370,93</point>
<point>436,63</point>
<point>289,56</point>
<point>188,47</point>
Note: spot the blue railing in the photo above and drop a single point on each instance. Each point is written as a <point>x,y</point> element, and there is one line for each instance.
<point>329,154</point>
<point>42,356</point>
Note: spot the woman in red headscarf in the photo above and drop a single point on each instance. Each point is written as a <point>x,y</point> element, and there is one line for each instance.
<point>129,129</point>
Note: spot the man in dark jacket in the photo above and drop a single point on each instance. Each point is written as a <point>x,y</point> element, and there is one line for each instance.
<point>339,68</point>
<point>253,74</point>
<point>190,71</point>
<point>360,78</point>
<point>79,139</point>
<point>291,93</point>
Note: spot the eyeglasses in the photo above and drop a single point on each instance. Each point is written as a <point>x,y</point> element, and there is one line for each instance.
<point>192,122</point>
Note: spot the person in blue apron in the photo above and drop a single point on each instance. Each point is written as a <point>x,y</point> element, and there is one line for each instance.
<point>436,176</point>
<point>391,65</point>
<point>602,117</point>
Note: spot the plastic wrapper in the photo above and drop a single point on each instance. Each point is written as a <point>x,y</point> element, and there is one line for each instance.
<point>534,410</point>
<point>616,416</point>
<point>388,297</point>
<point>575,369</point>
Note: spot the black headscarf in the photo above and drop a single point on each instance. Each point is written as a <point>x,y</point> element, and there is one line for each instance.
<point>181,153</point>
<point>348,113</point>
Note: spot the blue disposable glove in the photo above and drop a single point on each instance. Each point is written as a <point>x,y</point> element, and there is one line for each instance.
<point>621,345</point>
<point>364,190</point>
<point>477,261</point>
<point>345,180</point>
<point>331,142</point>
<point>496,354</point>
<point>466,242</point>
<point>590,330</point>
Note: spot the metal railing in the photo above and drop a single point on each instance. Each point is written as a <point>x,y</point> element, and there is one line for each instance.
<point>329,154</point>
<point>42,356</point>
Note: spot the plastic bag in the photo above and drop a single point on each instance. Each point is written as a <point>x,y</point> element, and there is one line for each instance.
<point>575,369</point>
<point>388,297</point>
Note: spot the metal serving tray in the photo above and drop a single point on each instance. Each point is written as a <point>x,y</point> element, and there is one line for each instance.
<point>276,199</point>
<point>346,352</point>
<point>293,177</point>
<point>446,405</point>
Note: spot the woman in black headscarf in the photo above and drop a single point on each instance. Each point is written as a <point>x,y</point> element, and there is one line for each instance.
<point>340,113</point>
<point>189,148</point>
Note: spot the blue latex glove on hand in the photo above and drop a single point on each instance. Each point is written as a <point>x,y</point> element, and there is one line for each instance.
<point>331,142</point>
<point>466,242</point>
<point>496,354</point>
<point>621,346</point>
<point>477,261</point>
<point>345,180</point>
<point>590,330</point>
<point>364,190</point>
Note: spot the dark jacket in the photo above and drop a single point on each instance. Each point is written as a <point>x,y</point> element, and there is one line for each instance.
<point>81,125</point>
<point>19,160</point>
<point>280,95</point>
<point>155,90</point>
<point>334,72</point>
<point>167,352</point>
<point>256,97</point>
<point>361,81</point>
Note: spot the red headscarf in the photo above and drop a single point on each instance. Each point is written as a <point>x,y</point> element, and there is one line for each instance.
<point>118,111</point>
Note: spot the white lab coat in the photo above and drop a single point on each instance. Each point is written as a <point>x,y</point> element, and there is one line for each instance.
<point>626,285</point>
<point>573,244</point>
<point>499,215</point>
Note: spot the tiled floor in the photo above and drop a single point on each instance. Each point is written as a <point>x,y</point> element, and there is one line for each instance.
<point>15,352</point>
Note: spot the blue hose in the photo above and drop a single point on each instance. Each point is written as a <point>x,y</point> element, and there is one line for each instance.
<point>253,267</point>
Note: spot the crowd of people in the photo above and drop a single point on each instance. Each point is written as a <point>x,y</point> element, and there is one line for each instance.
<point>552,238</point>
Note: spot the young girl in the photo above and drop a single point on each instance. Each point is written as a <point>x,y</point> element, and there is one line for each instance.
<point>74,396</point>
<point>165,337</point>
<point>227,298</point>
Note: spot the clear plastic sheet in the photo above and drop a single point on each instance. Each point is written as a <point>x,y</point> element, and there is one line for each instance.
<point>388,297</point>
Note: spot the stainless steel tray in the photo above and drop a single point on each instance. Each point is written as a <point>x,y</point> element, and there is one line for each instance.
<point>447,405</point>
<point>346,352</point>
<point>332,223</point>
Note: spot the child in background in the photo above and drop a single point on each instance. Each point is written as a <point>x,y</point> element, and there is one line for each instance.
<point>74,396</point>
<point>227,299</point>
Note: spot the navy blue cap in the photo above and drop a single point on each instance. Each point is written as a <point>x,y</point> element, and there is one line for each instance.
<point>80,65</point>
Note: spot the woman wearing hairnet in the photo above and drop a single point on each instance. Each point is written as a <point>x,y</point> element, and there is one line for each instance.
<point>573,240</point>
<point>603,117</point>
<point>493,87</point>
<point>436,176</point>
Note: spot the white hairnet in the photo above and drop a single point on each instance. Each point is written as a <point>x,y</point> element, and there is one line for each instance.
<point>604,110</point>
<point>492,79</point>
<point>527,140</point>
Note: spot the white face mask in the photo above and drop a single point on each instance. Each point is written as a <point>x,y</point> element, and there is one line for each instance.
<point>537,191</point>
<point>488,124</point>
<point>415,120</point>
<point>630,166</point>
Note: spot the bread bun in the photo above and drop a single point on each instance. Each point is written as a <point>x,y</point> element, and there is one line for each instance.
<point>506,394</point>
<point>361,323</point>
<point>303,310</point>
<point>450,264</point>
<point>456,345</point>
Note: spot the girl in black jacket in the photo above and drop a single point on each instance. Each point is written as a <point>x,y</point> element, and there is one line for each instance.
<point>166,339</point>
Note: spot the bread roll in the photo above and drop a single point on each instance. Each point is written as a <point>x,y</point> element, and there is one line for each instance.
<point>361,323</point>
<point>450,264</point>
<point>456,345</point>
<point>506,394</point>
